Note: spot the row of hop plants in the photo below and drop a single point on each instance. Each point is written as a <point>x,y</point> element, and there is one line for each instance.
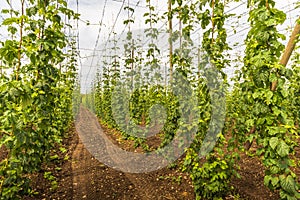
<point>262,107</point>
<point>38,75</point>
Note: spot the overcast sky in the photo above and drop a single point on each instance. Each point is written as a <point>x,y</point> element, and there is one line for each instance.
<point>91,11</point>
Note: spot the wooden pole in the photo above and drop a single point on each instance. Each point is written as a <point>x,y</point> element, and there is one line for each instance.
<point>288,51</point>
<point>170,38</point>
<point>284,61</point>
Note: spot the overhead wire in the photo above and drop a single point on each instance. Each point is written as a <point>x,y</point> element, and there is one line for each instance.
<point>123,31</point>
<point>163,25</point>
<point>227,12</point>
<point>114,24</point>
<point>78,43</point>
<point>97,39</point>
<point>131,4</point>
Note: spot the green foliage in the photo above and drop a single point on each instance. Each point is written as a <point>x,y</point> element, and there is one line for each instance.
<point>211,176</point>
<point>52,179</point>
<point>36,98</point>
<point>263,111</point>
<point>254,111</point>
<point>294,95</point>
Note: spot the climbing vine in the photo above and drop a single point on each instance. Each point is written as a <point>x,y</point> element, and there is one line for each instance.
<point>211,175</point>
<point>268,121</point>
<point>261,108</point>
<point>36,106</point>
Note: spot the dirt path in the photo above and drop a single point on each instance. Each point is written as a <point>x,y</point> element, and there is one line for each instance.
<point>82,176</point>
<point>94,180</point>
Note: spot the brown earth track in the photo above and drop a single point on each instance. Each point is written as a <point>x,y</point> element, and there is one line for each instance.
<point>84,177</point>
<point>101,182</point>
<point>119,185</point>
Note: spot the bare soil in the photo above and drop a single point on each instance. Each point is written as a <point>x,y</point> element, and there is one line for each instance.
<point>81,176</point>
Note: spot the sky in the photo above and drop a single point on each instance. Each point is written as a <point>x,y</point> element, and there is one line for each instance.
<point>91,12</point>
